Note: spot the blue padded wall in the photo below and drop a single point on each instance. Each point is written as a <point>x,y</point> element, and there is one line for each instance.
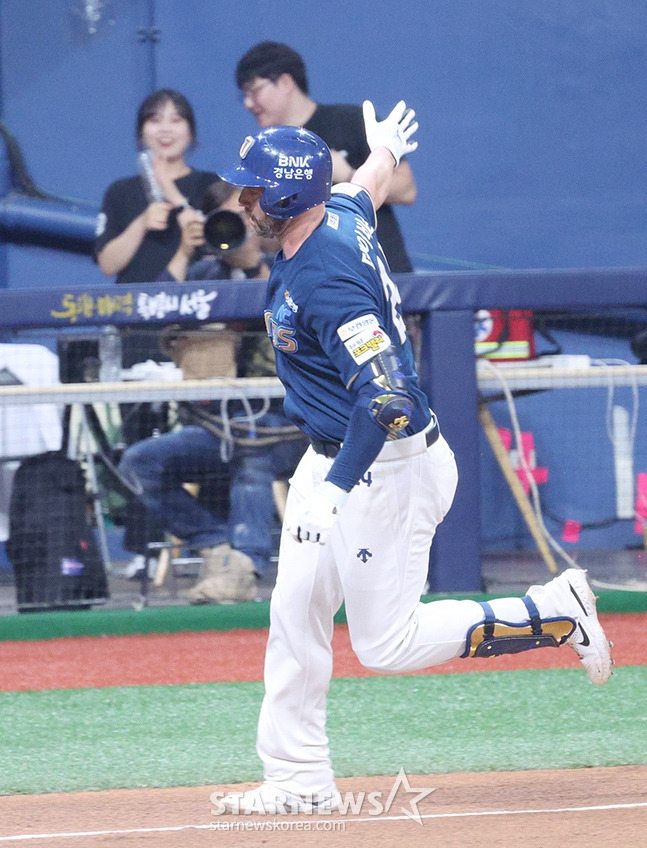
<point>532,115</point>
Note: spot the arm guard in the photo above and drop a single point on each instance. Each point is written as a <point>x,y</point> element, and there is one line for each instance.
<point>390,403</point>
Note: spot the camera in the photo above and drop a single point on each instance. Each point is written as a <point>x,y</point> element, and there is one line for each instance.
<point>224,230</point>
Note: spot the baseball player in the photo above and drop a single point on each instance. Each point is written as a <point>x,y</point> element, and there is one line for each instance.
<point>378,477</point>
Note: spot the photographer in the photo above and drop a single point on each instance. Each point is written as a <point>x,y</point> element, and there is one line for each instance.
<point>232,251</point>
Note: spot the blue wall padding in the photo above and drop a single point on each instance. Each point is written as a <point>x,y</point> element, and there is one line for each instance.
<point>5,175</point>
<point>22,216</point>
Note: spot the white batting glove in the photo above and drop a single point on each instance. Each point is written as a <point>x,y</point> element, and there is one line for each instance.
<point>393,132</point>
<point>319,513</point>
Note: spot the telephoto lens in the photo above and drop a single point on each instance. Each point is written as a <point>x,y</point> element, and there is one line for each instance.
<point>224,230</point>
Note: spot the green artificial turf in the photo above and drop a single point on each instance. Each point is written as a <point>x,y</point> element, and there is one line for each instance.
<point>126,622</point>
<point>204,734</point>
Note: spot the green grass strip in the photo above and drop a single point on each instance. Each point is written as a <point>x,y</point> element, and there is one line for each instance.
<point>67,740</point>
<point>177,619</point>
<point>126,622</point>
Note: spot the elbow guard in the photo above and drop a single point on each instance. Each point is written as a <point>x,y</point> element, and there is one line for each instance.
<point>390,404</point>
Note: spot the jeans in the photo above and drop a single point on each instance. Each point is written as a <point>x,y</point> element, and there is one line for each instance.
<point>158,466</point>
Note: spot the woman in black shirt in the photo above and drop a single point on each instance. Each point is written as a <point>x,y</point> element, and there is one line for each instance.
<point>137,235</point>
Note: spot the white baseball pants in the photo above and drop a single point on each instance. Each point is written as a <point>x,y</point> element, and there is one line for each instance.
<point>376,562</point>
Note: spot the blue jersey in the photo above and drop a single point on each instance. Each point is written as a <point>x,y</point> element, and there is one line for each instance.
<point>329,310</point>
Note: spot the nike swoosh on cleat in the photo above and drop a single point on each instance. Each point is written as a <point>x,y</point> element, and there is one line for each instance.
<point>585,639</point>
<point>578,599</point>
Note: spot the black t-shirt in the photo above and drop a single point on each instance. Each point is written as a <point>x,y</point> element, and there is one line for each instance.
<point>341,126</point>
<point>124,200</point>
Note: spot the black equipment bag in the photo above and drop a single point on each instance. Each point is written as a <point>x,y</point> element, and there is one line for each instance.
<point>51,545</point>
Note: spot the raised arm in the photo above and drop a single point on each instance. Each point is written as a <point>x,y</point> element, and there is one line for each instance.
<point>404,189</point>
<point>389,140</point>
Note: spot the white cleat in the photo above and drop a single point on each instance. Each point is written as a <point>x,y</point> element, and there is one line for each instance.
<point>272,801</point>
<point>588,640</point>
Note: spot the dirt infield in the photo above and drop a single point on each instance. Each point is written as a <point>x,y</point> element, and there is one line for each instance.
<point>236,655</point>
<point>581,808</point>
<point>577,808</point>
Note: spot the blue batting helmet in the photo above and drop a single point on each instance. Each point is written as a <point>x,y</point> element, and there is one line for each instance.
<point>293,165</point>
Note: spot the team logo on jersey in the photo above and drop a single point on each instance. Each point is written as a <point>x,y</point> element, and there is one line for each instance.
<point>288,299</point>
<point>347,331</point>
<point>278,327</point>
<point>365,345</point>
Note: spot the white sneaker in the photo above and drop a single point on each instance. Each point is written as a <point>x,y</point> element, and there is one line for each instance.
<point>272,801</point>
<point>575,599</point>
<point>134,569</point>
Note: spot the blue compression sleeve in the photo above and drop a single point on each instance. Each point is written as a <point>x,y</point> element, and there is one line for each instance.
<point>363,441</point>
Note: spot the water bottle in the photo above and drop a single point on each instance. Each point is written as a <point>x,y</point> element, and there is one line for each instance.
<point>109,355</point>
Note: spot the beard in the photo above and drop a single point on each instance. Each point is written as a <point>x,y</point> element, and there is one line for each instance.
<point>267,227</point>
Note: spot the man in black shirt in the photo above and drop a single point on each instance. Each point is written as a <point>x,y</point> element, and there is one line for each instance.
<point>273,81</point>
